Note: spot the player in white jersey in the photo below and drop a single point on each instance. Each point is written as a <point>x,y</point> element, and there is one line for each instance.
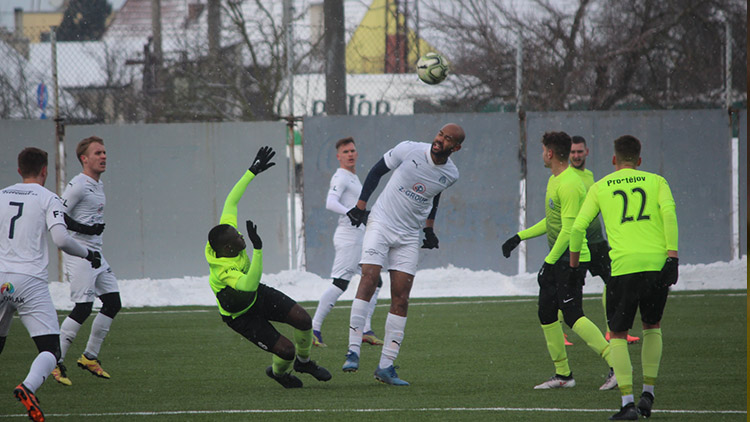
<point>343,193</point>
<point>84,203</point>
<point>27,211</point>
<point>407,204</point>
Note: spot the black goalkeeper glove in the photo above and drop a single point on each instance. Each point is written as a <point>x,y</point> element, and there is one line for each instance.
<point>510,244</point>
<point>358,216</point>
<point>669,273</point>
<point>77,227</point>
<point>262,160</point>
<point>430,240</point>
<point>252,234</point>
<point>95,258</point>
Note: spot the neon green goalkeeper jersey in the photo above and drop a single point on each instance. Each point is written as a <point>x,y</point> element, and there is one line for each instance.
<point>565,194</point>
<point>239,272</point>
<point>594,230</point>
<point>639,216</point>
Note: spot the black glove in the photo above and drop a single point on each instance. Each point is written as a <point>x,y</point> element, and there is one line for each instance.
<point>668,274</point>
<point>252,234</point>
<point>95,258</point>
<point>577,275</point>
<point>430,240</point>
<point>358,216</point>
<point>545,273</point>
<point>261,162</point>
<point>510,244</point>
<point>77,227</point>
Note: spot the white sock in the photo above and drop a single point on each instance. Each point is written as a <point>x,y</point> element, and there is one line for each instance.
<point>394,336</point>
<point>99,330</point>
<point>356,323</point>
<point>68,332</point>
<point>648,389</point>
<point>327,300</point>
<point>40,369</point>
<point>371,309</point>
<point>627,400</point>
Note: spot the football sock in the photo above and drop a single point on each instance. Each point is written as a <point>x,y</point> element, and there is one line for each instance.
<point>40,369</point>
<point>280,366</point>
<point>68,332</point>
<point>648,388</point>
<point>394,336</point>
<point>371,309</point>
<point>622,366</point>
<point>327,300</point>
<point>356,324</point>
<point>553,333</point>
<point>99,330</point>
<point>593,337</point>
<point>303,344</point>
<point>651,355</point>
<point>626,400</point>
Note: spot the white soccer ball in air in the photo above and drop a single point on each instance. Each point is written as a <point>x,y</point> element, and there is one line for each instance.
<point>432,68</point>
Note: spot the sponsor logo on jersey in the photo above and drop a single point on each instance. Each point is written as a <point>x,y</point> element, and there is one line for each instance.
<point>551,204</point>
<point>7,287</point>
<point>418,188</point>
<point>443,180</point>
<point>413,195</point>
<point>631,179</point>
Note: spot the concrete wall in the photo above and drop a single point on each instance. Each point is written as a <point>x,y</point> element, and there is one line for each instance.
<point>165,187</point>
<point>743,181</point>
<point>690,148</point>
<point>474,213</point>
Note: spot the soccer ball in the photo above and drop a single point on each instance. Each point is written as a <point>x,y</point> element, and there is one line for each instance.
<point>432,68</point>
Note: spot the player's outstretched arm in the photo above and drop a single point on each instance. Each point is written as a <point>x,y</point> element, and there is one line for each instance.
<point>260,164</point>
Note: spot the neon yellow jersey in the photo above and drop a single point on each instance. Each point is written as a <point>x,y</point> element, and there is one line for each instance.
<point>639,216</point>
<point>594,230</point>
<point>239,272</point>
<point>565,194</point>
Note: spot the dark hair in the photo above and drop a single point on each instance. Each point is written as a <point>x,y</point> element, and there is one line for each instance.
<point>84,145</point>
<point>344,141</point>
<point>559,143</point>
<point>31,161</point>
<point>217,236</point>
<point>578,140</point>
<point>627,149</point>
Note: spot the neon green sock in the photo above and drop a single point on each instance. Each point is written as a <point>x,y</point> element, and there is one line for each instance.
<point>553,333</point>
<point>621,364</point>
<point>590,333</point>
<point>280,366</point>
<point>303,344</point>
<point>651,355</point>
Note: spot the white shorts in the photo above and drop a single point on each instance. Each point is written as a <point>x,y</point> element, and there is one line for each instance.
<point>390,250</point>
<point>348,244</point>
<point>87,283</point>
<point>30,297</point>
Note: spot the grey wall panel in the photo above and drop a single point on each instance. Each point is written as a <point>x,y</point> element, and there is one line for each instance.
<point>166,186</point>
<point>676,146</point>
<point>743,181</point>
<point>474,215</point>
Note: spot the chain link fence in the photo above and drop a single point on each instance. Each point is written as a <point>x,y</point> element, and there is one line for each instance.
<point>232,65</point>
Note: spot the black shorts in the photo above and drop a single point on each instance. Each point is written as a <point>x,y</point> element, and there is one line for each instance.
<point>255,324</point>
<point>600,264</point>
<point>558,292</point>
<point>631,292</point>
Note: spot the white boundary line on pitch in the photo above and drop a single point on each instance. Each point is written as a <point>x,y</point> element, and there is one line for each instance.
<point>424,409</point>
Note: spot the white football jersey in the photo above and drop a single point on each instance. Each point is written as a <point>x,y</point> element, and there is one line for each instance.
<point>345,187</point>
<point>27,211</point>
<point>84,202</point>
<point>406,200</point>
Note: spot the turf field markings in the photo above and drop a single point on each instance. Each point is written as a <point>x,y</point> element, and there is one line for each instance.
<point>425,409</point>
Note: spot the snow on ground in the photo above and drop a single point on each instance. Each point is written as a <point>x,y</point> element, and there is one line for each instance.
<point>440,282</point>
